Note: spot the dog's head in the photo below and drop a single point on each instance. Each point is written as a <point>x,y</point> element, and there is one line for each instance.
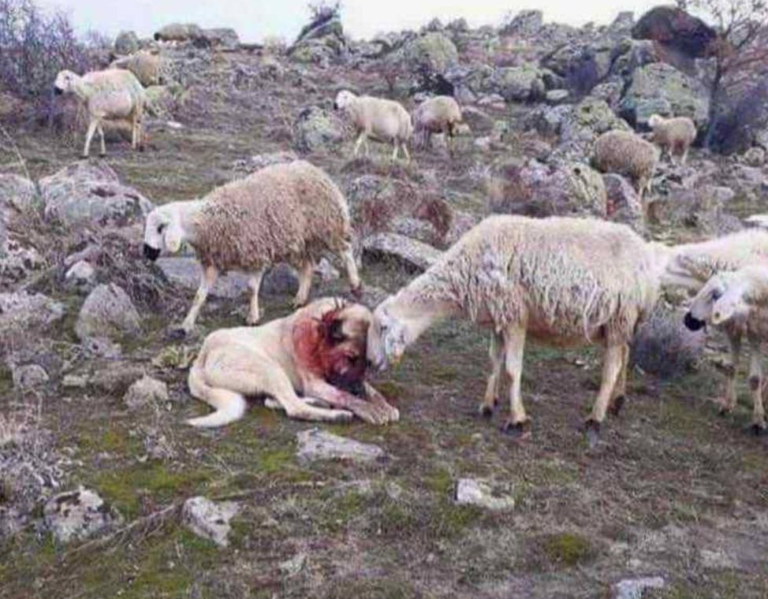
<point>333,345</point>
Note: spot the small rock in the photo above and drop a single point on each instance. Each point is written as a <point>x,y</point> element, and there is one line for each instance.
<point>293,566</point>
<point>413,254</point>
<point>146,391</point>
<point>78,515</point>
<point>107,312</point>
<point>80,276</point>
<point>29,376</point>
<point>315,128</point>
<point>74,381</point>
<point>327,271</point>
<point>557,96</point>
<point>754,157</point>
<point>315,444</point>
<point>470,491</point>
<point>116,379</point>
<point>208,519</point>
<point>717,560</point>
<point>635,587</point>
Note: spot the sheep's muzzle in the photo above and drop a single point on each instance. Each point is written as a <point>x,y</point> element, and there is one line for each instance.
<point>692,323</point>
<point>151,253</point>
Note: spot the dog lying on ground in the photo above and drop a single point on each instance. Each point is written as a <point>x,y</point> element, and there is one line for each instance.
<point>318,352</point>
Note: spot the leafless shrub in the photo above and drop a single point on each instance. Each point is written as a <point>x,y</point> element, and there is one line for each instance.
<point>664,347</point>
<point>34,46</point>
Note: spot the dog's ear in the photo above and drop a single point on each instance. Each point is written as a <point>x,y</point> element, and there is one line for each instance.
<point>332,327</point>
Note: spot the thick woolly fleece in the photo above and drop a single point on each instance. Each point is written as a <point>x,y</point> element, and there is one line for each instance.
<point>626,154</point>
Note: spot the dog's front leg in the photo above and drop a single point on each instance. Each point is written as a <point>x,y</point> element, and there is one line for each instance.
<point>377,411</point>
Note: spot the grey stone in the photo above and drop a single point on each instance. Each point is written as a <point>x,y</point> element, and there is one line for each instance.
<point>107,312</point>
<point>208,519</point>
<point>754,157</point>
<point>315,444</point>
<point>91,194</point>
<point>316,128</point>
<point>80,276</point>
<point>409,252</point>
<point>144,392</point>
<point>624,204</point>
<point>526,23</point>
<point>434,53</point>
<point>223,38</point>
<point>27,313</point>
<point>470,491</point>
<point>126,42</point>
<point>29,376</point>
<point>518,84</point>
<point>557,96</point>
<point>77,515</point>
<point>633,588</point>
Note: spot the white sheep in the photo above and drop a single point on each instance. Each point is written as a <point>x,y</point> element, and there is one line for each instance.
<point>110,94</point>
<point>627,154</point>
<point>560,281</point>
<point>673,135</point>
<point>376,118</point>
<point>737,302</point>
<point>282,213</point>
<point>440,114</point>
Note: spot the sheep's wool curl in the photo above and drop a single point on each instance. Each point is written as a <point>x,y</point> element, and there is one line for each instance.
<point>561,278</point>
<point>282,213</point>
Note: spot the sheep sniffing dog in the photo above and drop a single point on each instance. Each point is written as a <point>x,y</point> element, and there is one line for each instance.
<point>318,351</point>
<point>282,213</point>
<point>560,281</point>
<point>737,302</point>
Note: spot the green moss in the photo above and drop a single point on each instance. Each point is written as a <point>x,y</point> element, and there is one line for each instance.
<point>568,549</point>
<point>440,481</point>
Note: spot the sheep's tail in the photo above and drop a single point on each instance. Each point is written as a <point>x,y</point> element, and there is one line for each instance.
<point>229,405</point>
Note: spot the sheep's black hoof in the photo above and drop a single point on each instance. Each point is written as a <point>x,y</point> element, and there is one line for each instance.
<point>519,431</point>
<point>177,333</point>
<point>617,405</point>
<point>757,430</point>
<point>485,411</point>
<point>592,429</point>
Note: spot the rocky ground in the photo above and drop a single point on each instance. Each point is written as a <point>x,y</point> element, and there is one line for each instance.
<point>105,492</point>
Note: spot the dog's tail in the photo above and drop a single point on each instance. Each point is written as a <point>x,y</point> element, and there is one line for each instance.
<point>229,405</point>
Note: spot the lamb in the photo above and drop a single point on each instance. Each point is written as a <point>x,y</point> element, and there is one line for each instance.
<point>629,155</point>
<point>674,135</point>
<point>147,67</point>
<point>737,302</point>
<point>441,114</point>
<point>109,94</point>
<point>385,120</point>
<point>561,281</point>
<point>290,212</point>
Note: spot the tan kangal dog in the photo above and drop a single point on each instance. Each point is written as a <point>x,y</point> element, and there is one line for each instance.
<point>318,352</point>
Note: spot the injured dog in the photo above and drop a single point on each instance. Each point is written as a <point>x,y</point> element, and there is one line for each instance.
<point>318,352</point>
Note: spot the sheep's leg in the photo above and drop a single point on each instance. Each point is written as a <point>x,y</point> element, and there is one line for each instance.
<point>358,143</point>
<point>305,284</point>
<point>729,400</point>
<point>354,277</point>
<point>210,274</point>
<point>612,364</point>
<point>518,425</point>
<point>405,151</point>
<point>89,136</point>
<point>618,397</point>
<point>395,150</point>
<point>756,385</point>
<point>254,283</point>
<point>101,136</point>
<point>493,389</point>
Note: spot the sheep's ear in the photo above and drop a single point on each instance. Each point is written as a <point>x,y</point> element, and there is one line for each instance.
<point>172,237</point>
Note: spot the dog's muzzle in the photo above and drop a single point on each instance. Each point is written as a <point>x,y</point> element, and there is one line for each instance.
<point>151,253</point>
<point>693,324</point>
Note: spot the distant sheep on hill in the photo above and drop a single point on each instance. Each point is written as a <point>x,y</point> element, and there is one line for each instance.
<point>674,135</point>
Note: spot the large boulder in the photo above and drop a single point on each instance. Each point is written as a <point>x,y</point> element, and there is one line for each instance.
<point>316,128</point>
<point>676,29</point>
<point>87,193</point>
<point>538,190</point>
<point>223,38</point>
<point>526,23</point>
<point>518,84</point>
<point>126,42</point>
<point>431,53</point>
<point>107,312</point>
<point>581,65</point>
<point>18,196</point>
<point>660,88</point>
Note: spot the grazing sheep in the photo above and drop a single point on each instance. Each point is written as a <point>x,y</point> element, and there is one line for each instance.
<point>441,114</point>
<point>560,281</point>
<point>147,67</point>
<point>110,94</point>
<point>627,154</point>
<point>691,265</point>
<point>282,213</point>
<point>385,120</point>
<point>737,302</point>
<point>318,351</point>
<point>674,135</point>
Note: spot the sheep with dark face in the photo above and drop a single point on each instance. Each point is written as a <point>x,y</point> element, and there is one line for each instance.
<point>737,302</point>
<point>282,213</point>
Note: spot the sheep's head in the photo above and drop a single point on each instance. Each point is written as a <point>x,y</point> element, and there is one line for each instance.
<point>655,121</point>
<point>343,99</point>
<point>162,231</point>
<point>65,82</point>
<point>387,337</point>
<point>719,301</point>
